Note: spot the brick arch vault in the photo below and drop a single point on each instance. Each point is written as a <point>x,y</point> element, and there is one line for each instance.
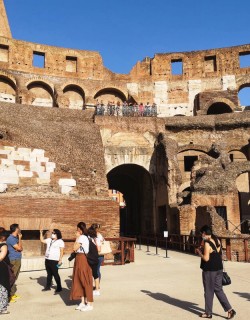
<point>136,185</point>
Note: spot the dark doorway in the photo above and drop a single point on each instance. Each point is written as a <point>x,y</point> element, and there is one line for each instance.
<point>135,183</point>
<point>219,108</point>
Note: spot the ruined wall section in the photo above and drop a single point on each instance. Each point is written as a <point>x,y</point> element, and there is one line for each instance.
<point>69,137</point>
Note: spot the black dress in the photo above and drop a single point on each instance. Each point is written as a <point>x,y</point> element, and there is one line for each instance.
<point>4,271</point>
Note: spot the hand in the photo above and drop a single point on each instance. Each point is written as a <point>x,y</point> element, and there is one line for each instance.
<point>60,262</point>
<point>198,251</point>
<point>20,236</point>
<point>41,231</point>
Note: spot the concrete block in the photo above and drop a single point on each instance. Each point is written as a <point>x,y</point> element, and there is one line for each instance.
<point>8,173</point>
<point>9,148</point>
<point>3,187</point>
<point>50,170</point>
<point>15,157</point>
<point>44,175</point>
<point>37,168</point>
<point>42,159</point>
<point>25,174</point>
<point>8,167</point>
<point>7,161</point>
<point>23,151</point>
<point>66,189</point>
<point>50,165</point>
<point>20,167</point>
<point>43,181</point>
<point>38,152</point>
<point>67,182</point>
<point>2,151</point>
<point>29,158</point>
<point>8,180</point>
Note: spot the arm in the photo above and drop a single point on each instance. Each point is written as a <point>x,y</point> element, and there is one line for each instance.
<point>41,237</point>
<point>61,255</point>
<point>19,246</point>
<point>206,254</point>
<point>3,253</point>
<point>77,244</point>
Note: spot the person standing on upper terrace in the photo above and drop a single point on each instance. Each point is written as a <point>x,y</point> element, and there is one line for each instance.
<point>15,248</point>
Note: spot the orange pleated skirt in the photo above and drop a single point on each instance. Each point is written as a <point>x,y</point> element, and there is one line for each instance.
<point>82,282</point>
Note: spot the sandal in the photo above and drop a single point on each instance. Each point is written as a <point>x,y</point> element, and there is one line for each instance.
<point>206,316</point>
<point>231,314</point>
<point>4,312</point>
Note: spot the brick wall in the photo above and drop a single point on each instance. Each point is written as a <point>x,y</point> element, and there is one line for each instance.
<point>64,214</point>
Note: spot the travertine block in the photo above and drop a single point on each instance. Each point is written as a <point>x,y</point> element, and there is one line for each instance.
<point>67,182</point>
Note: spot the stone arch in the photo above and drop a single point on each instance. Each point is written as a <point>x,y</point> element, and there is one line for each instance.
<point>136,185</point>
<point>41,94</point>
<point>7,89</point>
<point>244,94</point>
<point>110,94</point>
<point>237,155</point>
<point>75,96</point>
<point>219,106</point>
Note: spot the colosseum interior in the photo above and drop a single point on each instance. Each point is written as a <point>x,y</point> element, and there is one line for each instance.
<point>187,166</point>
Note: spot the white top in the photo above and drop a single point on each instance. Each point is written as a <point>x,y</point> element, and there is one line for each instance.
<point>53,249</point>
<point>84,241</point>
<point>100,237</point>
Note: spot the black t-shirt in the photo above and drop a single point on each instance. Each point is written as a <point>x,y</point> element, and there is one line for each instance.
<point>4,271</point>
<point>215,260</point>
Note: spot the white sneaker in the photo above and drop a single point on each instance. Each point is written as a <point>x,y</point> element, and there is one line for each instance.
<point>81,305</point>
<point>87,308</point>
<point>96,293</point>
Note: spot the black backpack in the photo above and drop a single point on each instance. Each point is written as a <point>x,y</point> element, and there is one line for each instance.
<point>93,255</point>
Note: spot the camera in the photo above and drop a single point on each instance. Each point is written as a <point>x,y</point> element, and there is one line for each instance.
<point>72,256</point>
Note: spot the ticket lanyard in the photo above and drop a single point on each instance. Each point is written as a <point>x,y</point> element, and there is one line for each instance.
<point>51,243</point>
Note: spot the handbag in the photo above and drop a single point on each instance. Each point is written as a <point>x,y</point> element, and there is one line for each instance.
<point>226,280</point>
<point>105,248</point>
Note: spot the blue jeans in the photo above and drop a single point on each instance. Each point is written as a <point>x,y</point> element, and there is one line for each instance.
<point>100,261</point>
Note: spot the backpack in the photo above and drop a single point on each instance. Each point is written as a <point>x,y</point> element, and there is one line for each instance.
<point>93,255</point>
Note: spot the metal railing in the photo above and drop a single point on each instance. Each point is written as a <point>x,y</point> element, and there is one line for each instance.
<point>188,244</point>
<point>126,111</point>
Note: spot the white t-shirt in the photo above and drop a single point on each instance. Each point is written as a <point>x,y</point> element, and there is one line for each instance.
<point>84,241</point>
<point>53,249</point>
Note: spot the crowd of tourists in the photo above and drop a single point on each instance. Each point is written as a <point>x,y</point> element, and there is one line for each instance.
<point>88,255</point>
<point>126,109</point>
<point>87,252</point>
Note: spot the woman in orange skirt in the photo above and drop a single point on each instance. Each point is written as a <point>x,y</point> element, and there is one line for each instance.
<point>82,283</point>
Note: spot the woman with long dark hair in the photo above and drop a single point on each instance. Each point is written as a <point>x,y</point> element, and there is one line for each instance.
<point>93,237</point>
<point>53,258</point>
<point>4,274</point>
<point>212,272</point>
<point>82,283</point>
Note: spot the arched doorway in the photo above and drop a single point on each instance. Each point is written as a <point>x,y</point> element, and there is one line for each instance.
<point>244,96</point>
<point>7,90</point>
<point>135,183</point>
<point>219,108</point>
<point>75,95</point>
<point>42,94</point>
<point>110,95</point>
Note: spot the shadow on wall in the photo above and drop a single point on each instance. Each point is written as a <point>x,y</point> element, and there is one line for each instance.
<point>182,304</point>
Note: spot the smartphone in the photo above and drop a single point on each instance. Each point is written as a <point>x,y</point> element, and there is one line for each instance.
<point>59,265</point>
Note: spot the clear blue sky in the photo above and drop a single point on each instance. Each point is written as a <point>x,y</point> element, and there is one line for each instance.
<point>125,31</point>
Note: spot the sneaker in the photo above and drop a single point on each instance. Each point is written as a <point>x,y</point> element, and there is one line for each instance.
<point>87,308</point>
<point>12,300</point>
<point>96,293</point>
<point>81,306</point>
<point>58,290</point>
<point>46,289</point>
<point>4,312</point>
<point>15,296</point>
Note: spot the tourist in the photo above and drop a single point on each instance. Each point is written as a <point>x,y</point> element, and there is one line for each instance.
<point>147,109</point>
<point>4,273</point>
<point>53,258</point>
<point>100,238</point>
<point>82,283</point>
<point>141,109</point>
<point>15,249</point>
<point>93,237</point>
<point>211,264</point>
